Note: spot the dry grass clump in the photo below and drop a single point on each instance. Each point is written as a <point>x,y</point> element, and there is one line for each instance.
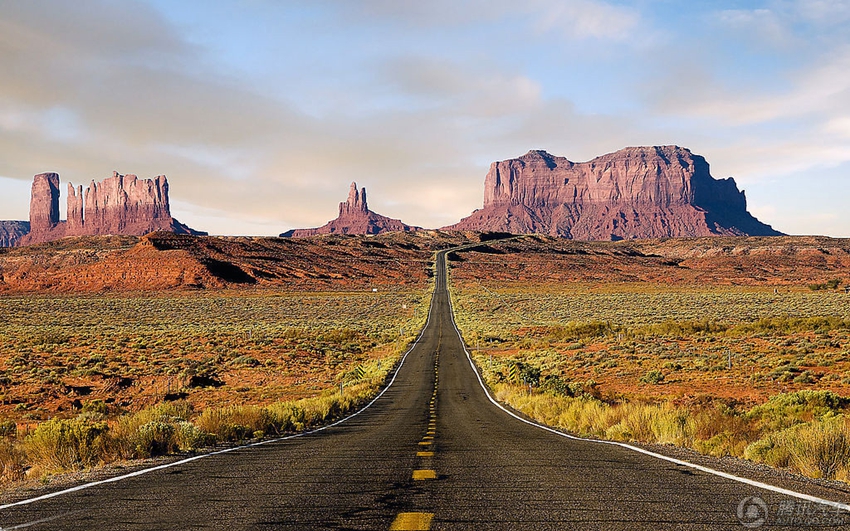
<point>67,444</point>
<point>819,449</point>
<point>12,461</point>
<point>805,431</point>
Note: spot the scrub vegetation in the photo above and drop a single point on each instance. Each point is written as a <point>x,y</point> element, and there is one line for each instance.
<point>91,380</point>
<point>746,371</point>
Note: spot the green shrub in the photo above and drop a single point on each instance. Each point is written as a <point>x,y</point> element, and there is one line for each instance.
<point>770,450</point>
<point>8,428</point>
<point>587,330</point>
<point>653,377</point>
<point>819,449</point>
<point>143,434</point>
<point>829,284</point>
<point>787,409</point>
<point>66,444</point>
<point>155,438</point>
<point>189,437</point>
<point>721,445</point>
<point>286,417</point>
<point>96,406</point>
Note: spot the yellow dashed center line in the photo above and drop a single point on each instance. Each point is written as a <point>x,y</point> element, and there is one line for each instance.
<point>421,475</point>
<point>412,522</point>
<point>415,521</point>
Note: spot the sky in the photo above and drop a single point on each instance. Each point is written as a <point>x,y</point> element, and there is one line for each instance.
<point>262,112</point>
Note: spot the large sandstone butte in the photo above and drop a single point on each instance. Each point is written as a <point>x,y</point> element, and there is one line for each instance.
<point>634,193</point>
<point>121,204</point>
<point>354,218</point>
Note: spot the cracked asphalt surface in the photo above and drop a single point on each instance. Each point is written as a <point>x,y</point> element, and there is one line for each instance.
<point>432,453</point>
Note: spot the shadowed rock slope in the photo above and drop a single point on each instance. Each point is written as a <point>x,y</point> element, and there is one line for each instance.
<point>163,260</point>
<point>12,231</point>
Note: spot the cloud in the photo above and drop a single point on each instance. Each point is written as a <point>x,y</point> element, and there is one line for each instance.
<point>576,19</point>
<point>758,26</point>
<point>477,90</point>
<point>816,95</point>
<point>584,19</point>
<point>823,12</point>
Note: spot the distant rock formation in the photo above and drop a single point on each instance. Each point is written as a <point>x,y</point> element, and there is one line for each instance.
<point>640,192</point>
<point>44,203</point>
<point>354,218</point>
<point>12,231</point>
<point>121,204</point>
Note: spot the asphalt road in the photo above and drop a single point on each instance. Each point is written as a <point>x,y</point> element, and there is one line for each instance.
<point>432,453</point>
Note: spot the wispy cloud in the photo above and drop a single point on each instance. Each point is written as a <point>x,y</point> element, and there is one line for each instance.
<point>583,19</point>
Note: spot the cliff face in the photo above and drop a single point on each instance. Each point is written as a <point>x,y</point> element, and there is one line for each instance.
<point>643,192</point>
<point>12,231</point>
<point>44,204</point>
<point>354,218</point>
<point>125,204</point>
<point>121,204</point>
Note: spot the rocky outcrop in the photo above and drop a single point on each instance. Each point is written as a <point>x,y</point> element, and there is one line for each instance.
<point>44,202</point>
<point>119,205</point>
<point>125,204</point>
<point>641,192</point>
<point>354,218</point>
<point>12,231</point>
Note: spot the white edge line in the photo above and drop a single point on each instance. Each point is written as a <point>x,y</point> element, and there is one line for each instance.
<point>234,448</point>
<point>751,482</point>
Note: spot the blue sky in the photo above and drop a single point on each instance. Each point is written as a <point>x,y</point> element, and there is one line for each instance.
<point>261,112</point>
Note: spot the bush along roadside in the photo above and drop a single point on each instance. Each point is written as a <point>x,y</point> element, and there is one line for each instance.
<point>91,439</point>
<point>807,432</point>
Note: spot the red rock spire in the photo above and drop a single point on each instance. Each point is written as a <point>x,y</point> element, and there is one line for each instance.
<point>354,218</point>
<point>355,204</point>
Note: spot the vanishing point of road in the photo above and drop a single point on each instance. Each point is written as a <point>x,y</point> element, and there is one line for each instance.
<point>433,452</point>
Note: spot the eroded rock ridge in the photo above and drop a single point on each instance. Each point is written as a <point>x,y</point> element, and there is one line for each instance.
<point>121,204</point>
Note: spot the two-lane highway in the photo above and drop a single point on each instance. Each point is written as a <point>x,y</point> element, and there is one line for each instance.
<point>433,452</point>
